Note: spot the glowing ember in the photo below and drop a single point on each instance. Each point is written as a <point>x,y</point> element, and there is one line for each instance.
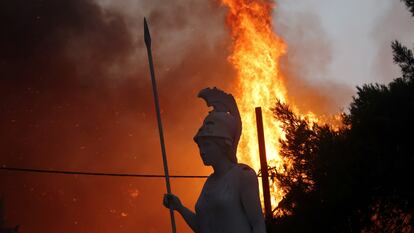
<point>256,54</point>
<point>134,193</point>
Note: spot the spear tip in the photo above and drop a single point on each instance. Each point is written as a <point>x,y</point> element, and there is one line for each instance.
<point>147,36</point>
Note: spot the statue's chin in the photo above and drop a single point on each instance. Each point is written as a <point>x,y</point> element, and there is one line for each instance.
<point>206,163</point>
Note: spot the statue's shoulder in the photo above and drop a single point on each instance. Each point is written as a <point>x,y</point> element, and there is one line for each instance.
<point>247,175</point>
<point>244,168</point>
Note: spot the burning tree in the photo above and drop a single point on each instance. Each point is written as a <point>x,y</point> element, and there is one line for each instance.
<point>354,179</point>
<point>315,175</point>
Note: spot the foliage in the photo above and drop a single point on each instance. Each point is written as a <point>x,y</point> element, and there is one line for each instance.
<point>404,58</point>
<point>337,177</point>
<point>410,5</point>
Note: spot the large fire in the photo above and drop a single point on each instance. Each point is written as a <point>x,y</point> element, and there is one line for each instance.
<point>256,53</point>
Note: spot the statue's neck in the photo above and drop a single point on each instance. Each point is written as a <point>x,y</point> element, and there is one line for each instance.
<point>222,167</point>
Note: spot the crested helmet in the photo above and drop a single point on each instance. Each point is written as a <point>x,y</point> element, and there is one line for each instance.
<point>223,121</point>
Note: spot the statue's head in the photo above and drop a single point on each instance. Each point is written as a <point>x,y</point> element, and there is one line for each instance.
<point>222,124</point>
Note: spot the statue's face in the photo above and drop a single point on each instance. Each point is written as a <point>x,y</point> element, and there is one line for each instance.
<point>210,152</point>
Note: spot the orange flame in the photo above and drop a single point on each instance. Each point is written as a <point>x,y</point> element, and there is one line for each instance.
<point>256,53</point>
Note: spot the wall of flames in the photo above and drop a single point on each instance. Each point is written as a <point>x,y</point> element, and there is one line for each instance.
<point>255,55</point>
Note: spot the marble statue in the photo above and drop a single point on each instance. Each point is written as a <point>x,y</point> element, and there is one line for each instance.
<point>229,201</point>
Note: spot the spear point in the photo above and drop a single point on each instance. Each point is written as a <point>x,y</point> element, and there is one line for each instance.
<point>147,36</point>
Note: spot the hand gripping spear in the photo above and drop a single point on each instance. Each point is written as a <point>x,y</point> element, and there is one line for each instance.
<point>147,39</point>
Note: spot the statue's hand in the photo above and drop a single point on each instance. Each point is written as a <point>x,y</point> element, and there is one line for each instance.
<point>172,201</point>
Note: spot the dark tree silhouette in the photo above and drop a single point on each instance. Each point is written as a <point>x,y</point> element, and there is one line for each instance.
<point>404,58</point>
<point>318,183</point>
<point>410,5</point>
<point>355,179</point>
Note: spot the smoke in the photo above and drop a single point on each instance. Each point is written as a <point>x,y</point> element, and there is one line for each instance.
<point>76,95</point>
<point>325,61</point>
<point>305,67</point>
<point>396,23</point>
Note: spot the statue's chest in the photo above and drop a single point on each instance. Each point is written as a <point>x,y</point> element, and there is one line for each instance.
<point>219,195</point>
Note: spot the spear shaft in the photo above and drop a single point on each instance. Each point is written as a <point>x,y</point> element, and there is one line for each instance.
<point>147,38</point>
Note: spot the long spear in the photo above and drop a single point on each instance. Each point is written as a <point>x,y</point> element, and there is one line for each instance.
<point>147,39</point>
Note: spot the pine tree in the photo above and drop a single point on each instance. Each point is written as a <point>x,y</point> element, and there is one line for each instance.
<point>410,5</point>
<point>404,58</point>
<point>402,55</point>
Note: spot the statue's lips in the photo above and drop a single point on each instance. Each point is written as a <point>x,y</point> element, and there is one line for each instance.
<point>203,157</point>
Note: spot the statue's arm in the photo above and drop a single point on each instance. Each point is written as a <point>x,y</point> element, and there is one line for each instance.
<point>251,201</point>
<point>172,201</point>
<point>189,217</point>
